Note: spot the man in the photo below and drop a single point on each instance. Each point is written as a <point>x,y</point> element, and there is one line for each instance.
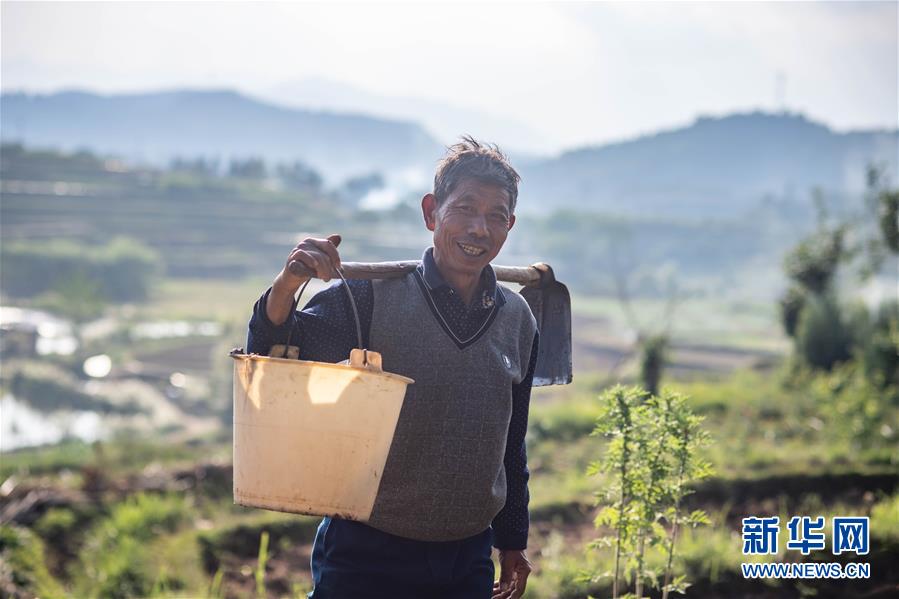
<point>455,481</point>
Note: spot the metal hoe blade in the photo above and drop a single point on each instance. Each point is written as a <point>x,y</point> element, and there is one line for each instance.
<point>550,303</point>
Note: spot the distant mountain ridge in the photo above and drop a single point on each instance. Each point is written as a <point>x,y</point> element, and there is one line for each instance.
<point>716,166</point>
<point>156,127</point>
<point>445,121</point>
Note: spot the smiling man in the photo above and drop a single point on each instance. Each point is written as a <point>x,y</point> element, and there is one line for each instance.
<point>455,482</point>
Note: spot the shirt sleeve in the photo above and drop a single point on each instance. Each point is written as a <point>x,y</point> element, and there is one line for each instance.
<point>510,526</point>
<point>324,330</point>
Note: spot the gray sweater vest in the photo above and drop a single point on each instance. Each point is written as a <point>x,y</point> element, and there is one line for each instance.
<point>444,478</point>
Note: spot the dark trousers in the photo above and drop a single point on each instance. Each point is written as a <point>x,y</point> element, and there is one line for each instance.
<point>351,560</point>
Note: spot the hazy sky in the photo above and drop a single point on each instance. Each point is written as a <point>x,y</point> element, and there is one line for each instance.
<point>575,73</point>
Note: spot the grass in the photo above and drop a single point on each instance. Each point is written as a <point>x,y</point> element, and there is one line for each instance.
<point>885,520</point>
<point>240,533</point>
<point>709,555</point>
<point>706,321</point>
<point>167,546</point>
<point>153,545</point>
<point>762,429</point>
<point>203,299</point>
<point>116,458</point>
<point>23,552</point>
<point>222,300</point>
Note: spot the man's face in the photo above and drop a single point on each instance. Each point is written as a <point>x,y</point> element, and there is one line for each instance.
<point>470,226</point>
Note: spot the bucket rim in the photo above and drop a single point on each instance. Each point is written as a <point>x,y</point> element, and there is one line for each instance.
<point>382,373</point>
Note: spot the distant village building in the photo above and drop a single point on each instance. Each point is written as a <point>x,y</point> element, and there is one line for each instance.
<point>18,340</point>
<point>28,333</point>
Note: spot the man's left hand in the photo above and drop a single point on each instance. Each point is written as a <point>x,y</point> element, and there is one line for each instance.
<point>514,569</point>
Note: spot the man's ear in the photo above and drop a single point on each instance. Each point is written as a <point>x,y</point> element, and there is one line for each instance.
<point>511,221</point>
<point>429,210</point>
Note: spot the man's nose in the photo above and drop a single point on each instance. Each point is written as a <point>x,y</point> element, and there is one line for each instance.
<point>477,226</point>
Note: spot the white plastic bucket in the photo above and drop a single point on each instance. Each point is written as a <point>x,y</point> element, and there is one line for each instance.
<point>313,437</point>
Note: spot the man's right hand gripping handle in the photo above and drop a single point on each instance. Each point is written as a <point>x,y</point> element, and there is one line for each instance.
<point>319,256</point>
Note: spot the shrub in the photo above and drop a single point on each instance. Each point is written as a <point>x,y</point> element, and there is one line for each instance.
<point>56,524</point>
<point>790,309</point>
<point>121,270</point>
<point>144,516</point>
<point>651,456</point>
<point>116,560</point>
<point>652,362</point>
<point>855,408</point>
<point>822,337</point>
<point>22,566</point>
<point>885,520</point>
<point>880,345</point>
<point>889,219</point>
<point>813,263</point>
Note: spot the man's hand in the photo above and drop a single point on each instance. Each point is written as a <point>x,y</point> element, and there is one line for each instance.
<point>318,255</point>
<point>514,569</point>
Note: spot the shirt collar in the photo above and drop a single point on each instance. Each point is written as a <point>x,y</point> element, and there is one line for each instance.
<point>490,292</point>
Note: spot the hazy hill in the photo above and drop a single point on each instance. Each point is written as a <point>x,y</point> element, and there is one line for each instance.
<point>714,167</point>
<point>155,127</point>
<point>200,225</point>
<point>444,120</point>
<point>204,225</point>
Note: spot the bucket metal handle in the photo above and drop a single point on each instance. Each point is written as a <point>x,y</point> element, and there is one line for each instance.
<point>293,315</point>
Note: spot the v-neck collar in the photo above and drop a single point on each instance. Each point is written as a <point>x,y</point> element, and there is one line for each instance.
<point>489,291</point>
<point>431,282</point>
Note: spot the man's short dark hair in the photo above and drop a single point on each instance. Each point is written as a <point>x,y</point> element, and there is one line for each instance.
<point>471,159</point>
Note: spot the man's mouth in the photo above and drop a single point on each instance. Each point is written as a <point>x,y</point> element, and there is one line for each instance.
<point>471,250</point>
